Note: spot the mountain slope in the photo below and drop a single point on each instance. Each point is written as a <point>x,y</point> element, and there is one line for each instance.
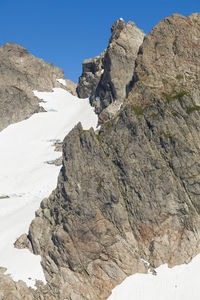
<point>127,196</point>
<point>20,74</point>
<point>131,191</point>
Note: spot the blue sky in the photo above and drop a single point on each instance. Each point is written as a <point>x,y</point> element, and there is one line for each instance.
<point>67,32</point>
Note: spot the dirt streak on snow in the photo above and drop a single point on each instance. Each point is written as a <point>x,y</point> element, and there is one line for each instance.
<point>26,177</point>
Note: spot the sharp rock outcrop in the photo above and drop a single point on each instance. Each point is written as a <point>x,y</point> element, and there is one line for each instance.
<point>107,78</point>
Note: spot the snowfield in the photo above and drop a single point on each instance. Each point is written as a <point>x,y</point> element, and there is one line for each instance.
<point>178,283</point>
<point>26,177</point>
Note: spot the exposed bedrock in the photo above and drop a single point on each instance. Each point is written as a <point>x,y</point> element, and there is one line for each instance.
<point>108,78</point>
<point>131,191</point>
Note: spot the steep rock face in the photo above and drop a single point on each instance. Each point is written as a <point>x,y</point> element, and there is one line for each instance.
<point>91,74</point>
<point>168,60</point>
<point>20,74</point>
<point>132,190</point>
<point>108,77</point>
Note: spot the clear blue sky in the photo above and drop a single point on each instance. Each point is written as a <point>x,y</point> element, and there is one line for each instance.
<point>67,32</point>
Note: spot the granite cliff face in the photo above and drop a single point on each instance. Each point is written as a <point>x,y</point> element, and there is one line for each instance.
<point>107,78</point>
<point>20,74</point>
<point>132,190</point>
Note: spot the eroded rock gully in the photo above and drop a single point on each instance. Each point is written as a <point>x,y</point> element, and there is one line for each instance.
<point>130,191</point>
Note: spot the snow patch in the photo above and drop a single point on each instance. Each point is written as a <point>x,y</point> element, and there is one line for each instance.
<point>62,81</point>
<point>180,282</point>
<point>25,178</point>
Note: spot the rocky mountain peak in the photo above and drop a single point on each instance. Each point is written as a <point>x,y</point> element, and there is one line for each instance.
<point>116,29</point>
<point>110,78</point>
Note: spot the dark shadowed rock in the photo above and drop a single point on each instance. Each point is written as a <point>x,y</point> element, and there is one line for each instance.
<point>107,78</point>
<point>92,71</point>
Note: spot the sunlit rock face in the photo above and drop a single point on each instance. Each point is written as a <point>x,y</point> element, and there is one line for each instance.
<point>130,192</point>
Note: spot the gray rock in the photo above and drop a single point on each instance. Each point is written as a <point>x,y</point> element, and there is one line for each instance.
<point>130,191</point>
<point>92,71</point>
<point>108,78</point>
<point>23,242</point>
<point>20,74</point>
<point>119,63</point>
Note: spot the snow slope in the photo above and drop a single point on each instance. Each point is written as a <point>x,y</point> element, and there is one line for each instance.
<point>26,177</point>
<point>178,283</point>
